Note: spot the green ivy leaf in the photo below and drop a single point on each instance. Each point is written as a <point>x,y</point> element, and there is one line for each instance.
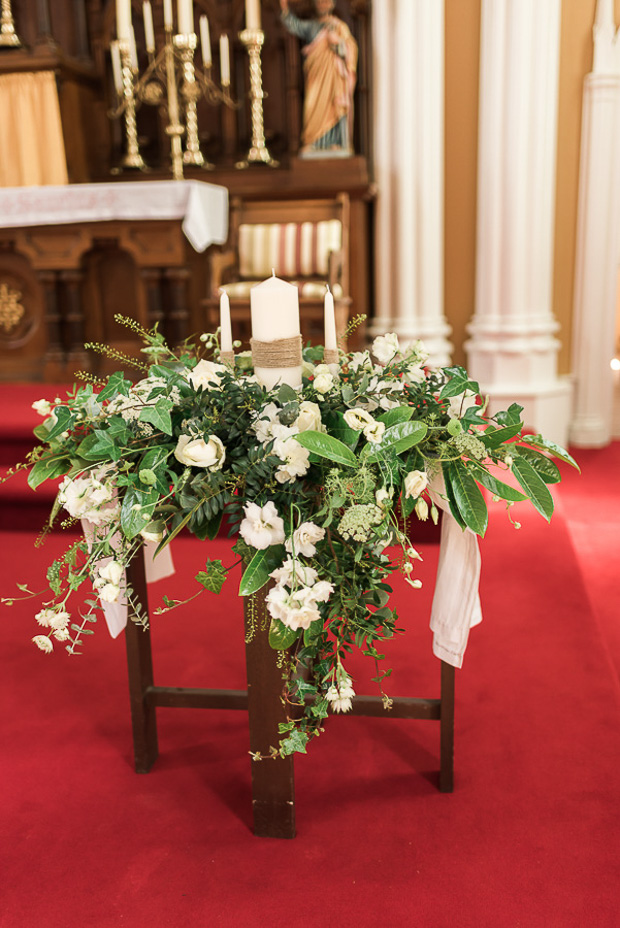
<point>256,574</point>
<point>509,416</point>
<point>65,420</point>
<point>296,741</point>
<point>326,446</point>
<point>159,415</point>
<point>280,636</point>
<point>213,577</point>
<point>99,446</point>
<point>396,439</point>
<point>533,485</point>
<point>466,495</point>
<point>116,385</point>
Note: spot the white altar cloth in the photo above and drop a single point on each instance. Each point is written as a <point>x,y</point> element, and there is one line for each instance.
<point>202,207</point>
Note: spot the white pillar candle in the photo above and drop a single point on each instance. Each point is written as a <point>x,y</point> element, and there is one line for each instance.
<point>185,13</point>
<point>123,19</point>
<point>205,42</point>
<point>168,18</point>
<point>252,14</point>
<point>117,72</point>
<point>331,343</point>
<point>225,326</point>
<point>149,32</point>
<point>224,60</point>
<point>274,306</point>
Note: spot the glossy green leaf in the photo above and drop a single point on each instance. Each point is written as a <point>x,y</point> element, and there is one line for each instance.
<point>542,464</point>
<point>256,574</point>
<point>497,487</point>
<point>537,441</point>
<point>533,485</point>
<point>398,414</point>
<point>467,496</point>
<point>326,446</point>
<point>493,438</point>
<point>137,510</point>
<point>47,469</point>
<point>280,636</point>
<point>397,438</point>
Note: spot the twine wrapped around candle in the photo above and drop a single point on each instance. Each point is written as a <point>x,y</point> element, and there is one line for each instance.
<point>227,357</point>
<point>281,353</point>
<point>330,356</point>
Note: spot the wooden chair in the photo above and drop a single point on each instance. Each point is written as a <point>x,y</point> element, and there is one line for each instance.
<point>305,241</point>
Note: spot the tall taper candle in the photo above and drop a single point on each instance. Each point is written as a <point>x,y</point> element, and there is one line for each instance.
<point>252,14</point>
<point>329,322</point>
<point>123,19</point>
<point>185,13</point>
<point>168,17</point>
<point>149,32</point>
<point>117,73</point>
<point>224,60</point>
<point>205,42</point>
<point>225,327</point>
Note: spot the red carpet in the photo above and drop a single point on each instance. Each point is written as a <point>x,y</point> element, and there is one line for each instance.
<point>528,839</point>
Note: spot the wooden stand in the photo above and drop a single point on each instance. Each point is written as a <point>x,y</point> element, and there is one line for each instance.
<point>273,787</point>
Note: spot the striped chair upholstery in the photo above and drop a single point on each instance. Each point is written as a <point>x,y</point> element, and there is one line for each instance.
<point>292,249</point>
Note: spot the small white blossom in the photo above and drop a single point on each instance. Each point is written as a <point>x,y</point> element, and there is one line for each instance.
<point>340,695</point>
<point>360,359</point>
<point>45,616</point>
<point>264,422</point>
<point>112,572</point>
<point>61,634</point>
<point>295,459</point>
<point>294,573</point>
<point>196,452</point>
<point>305,538</point>
<point>385,347</point>
<point>421,509</point>
<point>90,496</point>
<point>415,483</point>
<point>295,610</point>
<point>262,527</point>
<point>43,643</point>
<point>43,407</point>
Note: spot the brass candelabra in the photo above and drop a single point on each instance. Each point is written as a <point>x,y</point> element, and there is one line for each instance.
<point>253,39</point>
<point>171,80</point>
<point>8,36</point>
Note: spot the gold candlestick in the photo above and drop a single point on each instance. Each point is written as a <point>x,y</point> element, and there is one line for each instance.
<point>8,36</point>
<point>174,129</point>
<point>132,158</point>
<point>253,40</point>
<point>191,93</point>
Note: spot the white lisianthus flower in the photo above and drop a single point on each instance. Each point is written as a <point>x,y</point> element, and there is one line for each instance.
<point>373,432</point>
<point>360,359</point>
<point>324,380</point>
<point>206,375</point>
<point>415,374</point>
<point>340,695</point>
<point>196,452</point>
<point>264,422</point>
<point>415,483</point>
<point>304,539</point>
<point>43,643</point>
<point>293,573</point>
<point>309,417</point>
<point>460,403</point>
<point>295,459</point>
<point>385,347</point>
<point>295,610</point>
<point>358,418</point>
<point>88,497</point>
<point>262,527</point>
<point>43,407</point>
<point>322,590</point>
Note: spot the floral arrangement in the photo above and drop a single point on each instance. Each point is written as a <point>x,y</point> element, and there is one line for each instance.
<point>317,484</point>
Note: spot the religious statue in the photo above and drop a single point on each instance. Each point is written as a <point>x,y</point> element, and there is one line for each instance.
<point>330,68</point>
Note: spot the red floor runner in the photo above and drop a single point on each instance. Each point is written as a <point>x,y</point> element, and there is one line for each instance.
<point>529,838</point>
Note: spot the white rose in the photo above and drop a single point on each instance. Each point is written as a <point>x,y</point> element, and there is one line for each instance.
<point>305,538</point>
<point>262,527</point>
<point>295,459</point>
<point>154,531</point>
<point>43,643</point>
<point>385,348</point>
<point>415,483</point>
<point>206,374</point>
<point>196,452</point>
<point>322,590</point>
<point>109,592</point>
<point>309,417</point>
<point>323,379</point>
<point>293,573</point>
<point>43,407</point>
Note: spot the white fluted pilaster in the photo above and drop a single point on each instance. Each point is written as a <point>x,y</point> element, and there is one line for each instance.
<point>598,240</point>
<point>512,350</point>
<point>408,49</point>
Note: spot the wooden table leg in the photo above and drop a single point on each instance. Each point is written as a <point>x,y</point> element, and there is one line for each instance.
<point>140,672</point>
<point>273,785</point>
<point>446,768</point>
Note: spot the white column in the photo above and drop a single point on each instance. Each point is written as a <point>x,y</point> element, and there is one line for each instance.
<point>598,245</point>
<point>408,50</point>
<point>513,350</point>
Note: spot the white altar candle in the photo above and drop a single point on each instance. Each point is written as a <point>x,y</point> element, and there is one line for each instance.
<point>331,343</point>
<point>117,72</point>
<point>274,306</point>
<point>149,32</point>
<point>224,60</point>
<point>225,327</point>
<point>205,42</point>
<point>185,14</point>
<point>252,14</point>
<point>133,51</point>
<point>168,19</point>
<point>123,19</point>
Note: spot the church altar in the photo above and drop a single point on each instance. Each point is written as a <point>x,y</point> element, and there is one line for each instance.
<point>71,256</point>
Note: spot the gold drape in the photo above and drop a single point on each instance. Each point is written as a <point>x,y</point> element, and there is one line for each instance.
<point>32,149</point>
